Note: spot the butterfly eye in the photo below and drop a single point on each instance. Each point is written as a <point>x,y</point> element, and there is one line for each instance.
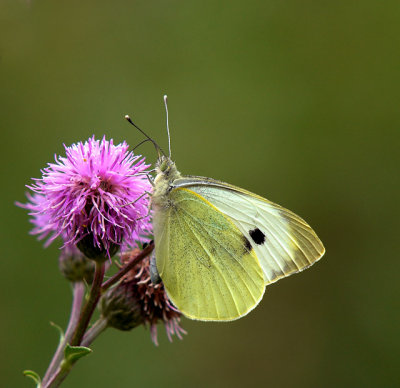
<point>162,164</point>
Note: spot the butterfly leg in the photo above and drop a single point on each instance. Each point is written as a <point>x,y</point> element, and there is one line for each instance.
<point>149,209</point>
<point>150,179</point>
<point>137,199</point>
<point>148,176</point>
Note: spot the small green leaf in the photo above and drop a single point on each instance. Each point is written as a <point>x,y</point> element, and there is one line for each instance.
<point>59,330</point>
<point>74,353</point>
<point>34,376</point>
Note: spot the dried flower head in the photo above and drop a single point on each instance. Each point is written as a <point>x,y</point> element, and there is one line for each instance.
<point>136,300</point>
<point>94,197</point>
<point>153,299</point>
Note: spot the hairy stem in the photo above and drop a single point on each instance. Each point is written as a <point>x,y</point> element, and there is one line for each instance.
<point>97,328</point>
<point>78,292</point>
<point>77,333</point>
<point>84,319</point>
<point>91,303</point>
<point>136,259</point>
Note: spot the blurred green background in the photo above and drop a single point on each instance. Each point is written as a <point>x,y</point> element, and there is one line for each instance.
<point>297,101</point>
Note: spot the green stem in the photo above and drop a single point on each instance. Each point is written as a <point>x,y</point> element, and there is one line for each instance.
<point>88,310</point>
<point>78,292</point>
<point>83,323</point>
<point>137,259</point>
<point>78,337</point>
<point>97,328</point>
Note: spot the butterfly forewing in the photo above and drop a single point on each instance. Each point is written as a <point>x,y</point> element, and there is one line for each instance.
<point>208,266</point>
<point>284,242</point>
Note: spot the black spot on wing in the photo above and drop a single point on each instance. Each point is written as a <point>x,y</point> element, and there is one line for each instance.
<point>257,236</point>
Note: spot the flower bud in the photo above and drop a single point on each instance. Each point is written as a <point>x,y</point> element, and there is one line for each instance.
<point>75,266</point>
<point>120,308</point>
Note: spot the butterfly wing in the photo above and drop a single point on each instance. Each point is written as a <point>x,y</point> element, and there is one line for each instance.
<point>283,242</point>
<point>207,265</point>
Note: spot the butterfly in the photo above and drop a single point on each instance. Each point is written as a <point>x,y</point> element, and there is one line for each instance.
<point>218,246</point>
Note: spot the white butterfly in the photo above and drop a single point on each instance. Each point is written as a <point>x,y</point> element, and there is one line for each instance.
<point>217,246</point>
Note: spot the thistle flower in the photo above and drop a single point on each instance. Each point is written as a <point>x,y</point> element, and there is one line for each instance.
<point>94,197</point>
<point>136,300</point>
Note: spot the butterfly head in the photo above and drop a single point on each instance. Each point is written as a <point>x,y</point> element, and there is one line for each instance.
<point>166,174</point>
<point>166,167</point>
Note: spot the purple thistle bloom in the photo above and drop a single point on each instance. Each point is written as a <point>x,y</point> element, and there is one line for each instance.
<point>94,197</point>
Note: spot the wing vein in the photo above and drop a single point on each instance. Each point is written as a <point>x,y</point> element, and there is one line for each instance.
<point>228,251</point>
<point>194,253</point>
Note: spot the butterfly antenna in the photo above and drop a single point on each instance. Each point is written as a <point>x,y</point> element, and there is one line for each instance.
<point>138,145</point>
<point>157,147</point>
<point>169,137</point>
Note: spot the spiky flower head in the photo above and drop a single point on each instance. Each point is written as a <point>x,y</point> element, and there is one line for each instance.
<point>94,197</point>
<point>136,300</point>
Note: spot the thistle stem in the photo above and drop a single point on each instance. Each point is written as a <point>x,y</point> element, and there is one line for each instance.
<point>135,260</point>
<point>96,329</point>
<point>78,292</point>
<point>88,310</point>
<point>84,319</point>
<point>75,334</point>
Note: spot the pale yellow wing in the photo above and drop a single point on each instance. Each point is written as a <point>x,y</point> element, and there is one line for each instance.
<point>207,265</point>
<point>283,241</point>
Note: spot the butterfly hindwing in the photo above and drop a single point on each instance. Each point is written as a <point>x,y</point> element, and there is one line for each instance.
<point>283,242</point>
<point>209,267</point>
